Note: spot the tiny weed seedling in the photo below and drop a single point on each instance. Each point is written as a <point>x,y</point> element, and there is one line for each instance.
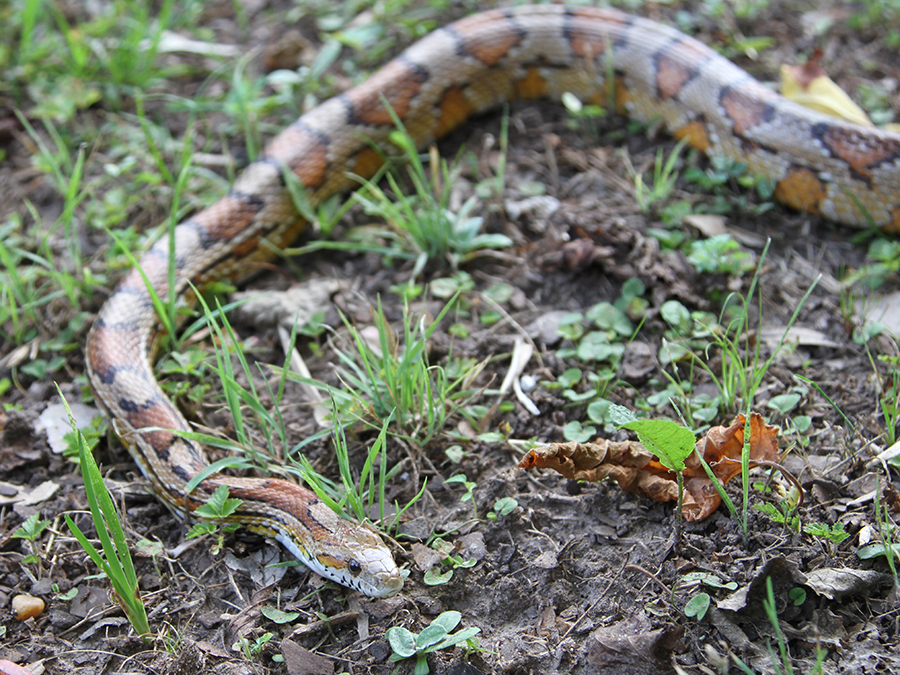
<point>254,648</point>
<point>719,254</point>
<point>834,534</point>
<point>669,441</point>
<point>467,495</point>
<point>117,564</point>
<point>664,177</point>
<point>783,514</point>
<point>215,514</point>
<point>434,637</point>
<point>435,576</point>
<point>30,531</point>
<point>502,507</point>
<point>699,603</point>
<point>697,606</point>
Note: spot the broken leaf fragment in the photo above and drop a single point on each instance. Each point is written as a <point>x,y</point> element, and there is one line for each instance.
<point>638,471</point>
<point>810,86</point>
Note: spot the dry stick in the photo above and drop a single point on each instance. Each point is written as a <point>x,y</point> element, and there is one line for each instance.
<point>775,465</point>
<point>588,610</point>
<point>322,624</point>
<point>655,578</point>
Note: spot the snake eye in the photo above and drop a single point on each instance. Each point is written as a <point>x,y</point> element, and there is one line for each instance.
<point>354,567</point>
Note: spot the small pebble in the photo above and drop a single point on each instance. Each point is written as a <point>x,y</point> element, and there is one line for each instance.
<point>527,382</point>
<point>27,607</point>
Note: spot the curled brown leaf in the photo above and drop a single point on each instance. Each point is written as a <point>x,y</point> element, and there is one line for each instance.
<point>636,470</point>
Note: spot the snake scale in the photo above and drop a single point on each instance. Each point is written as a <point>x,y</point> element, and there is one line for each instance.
<point>841,171</point>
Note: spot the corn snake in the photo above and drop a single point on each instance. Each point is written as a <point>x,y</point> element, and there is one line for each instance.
<point>843,172</point>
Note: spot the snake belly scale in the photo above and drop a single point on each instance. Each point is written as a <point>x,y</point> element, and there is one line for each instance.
<point>841,171</point>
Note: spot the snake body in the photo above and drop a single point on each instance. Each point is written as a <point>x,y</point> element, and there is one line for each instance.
<point>844,172</point>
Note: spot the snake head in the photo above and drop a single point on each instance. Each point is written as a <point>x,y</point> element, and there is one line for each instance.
<point>349,553</point>
<point>356,557</point>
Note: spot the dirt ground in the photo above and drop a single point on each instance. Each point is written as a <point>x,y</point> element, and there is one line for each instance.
<point>578,577</point>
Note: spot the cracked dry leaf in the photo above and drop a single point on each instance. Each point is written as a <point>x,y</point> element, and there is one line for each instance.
<point>636,470</point>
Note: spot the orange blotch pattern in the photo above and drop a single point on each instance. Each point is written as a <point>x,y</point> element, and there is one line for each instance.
<point>745,112</point>
<point>532,86</point>
<point>398,83</point>
<point>454,108</point>
<point>801,189</point>
<point>695,134</point>
<point>366,163</point>
<point>304,152</point>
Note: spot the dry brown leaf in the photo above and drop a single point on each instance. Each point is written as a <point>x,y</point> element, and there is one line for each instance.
<point>636,470</point>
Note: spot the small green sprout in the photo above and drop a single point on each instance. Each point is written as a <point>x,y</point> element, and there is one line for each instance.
<point>697,606</point>
<point>834,533</point>
<point>669,441</point>
<point>254,648</point>
<point>30,531</point>
<point>219,507</point>
<point>469,486</point>
<point>434,637</point>
<point>32,528</point>
<point>502,507</point>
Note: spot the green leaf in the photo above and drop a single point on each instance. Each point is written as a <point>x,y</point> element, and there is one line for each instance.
<point>219,504</point>
<point>505,506</point>
<point>595,346</point>
<point>599,411</point>
<point>677,316</point>
<point>430,635</point>
<point>200,529</point>
<point>784,403</point>
<point>802,423</point>
<point>606,316</point>
<point>448,620</point>
<point>434,577</point>
<point>279,616</point>
<point>455,453</point>
<point>500,293</point>
<point>697,606</point>
<point>573,431</point>
<point>631,289</point>
<point>875,550</point>
<point>668,440</point>
<point>620,415</point>
<point>32,527</point>
<point>797,595</point>
<point>403,642</point>
<point>569,378</point>
<point>456,638</point>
